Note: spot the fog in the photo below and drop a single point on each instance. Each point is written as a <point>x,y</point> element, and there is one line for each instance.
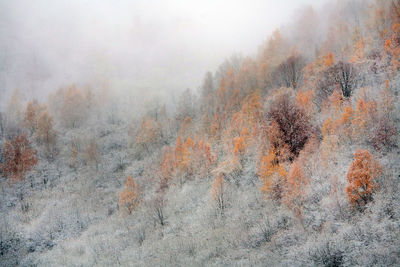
<point>199,133</point>
<point>157,46</point>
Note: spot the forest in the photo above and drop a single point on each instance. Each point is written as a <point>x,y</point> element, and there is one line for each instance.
<point>288,157</point>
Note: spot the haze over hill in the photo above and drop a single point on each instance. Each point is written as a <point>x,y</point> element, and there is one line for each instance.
<point>240,133</point>
<point>162,46</point>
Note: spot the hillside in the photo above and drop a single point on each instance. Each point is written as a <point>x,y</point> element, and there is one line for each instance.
<point>289,157</point>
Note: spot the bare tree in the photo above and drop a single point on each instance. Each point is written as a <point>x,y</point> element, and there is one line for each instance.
<point>158,206</point>
<point>289,72</point>
<point>341,75</point>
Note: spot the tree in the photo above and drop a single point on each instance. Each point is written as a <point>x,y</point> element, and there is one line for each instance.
<point>75,150</point>
<point>73,107</point>
<point>272,174</point>
<point>295,188</point>
<point>18,157</point>
<point>32,112</point>
<point>185,106</point>
<point>305,101</point>
<point>226,88</point>
<point>329,59</point>
<point>233,104</point>
<point>45,133</point>
<point>15,107</point>
<point>274,51</point>
<point>149,134</point>
<point>246,79</point>
<point>383,134</point>
<point>365,117</point>
<point>202,158</point>
<point>167,166</point>
<point>290,72</point>
<point>193,157</point>
<point>178,151</point>
<point>92,155</point>
<point>290,126</point>
<point>187,155</point>
<point>365,113</point>
<point>186,127</point>
<point>239,146</point>
<point>216,125</point>
<point>342,75</point>
<point>358,56</point>
<point>392,45</point>
<point>361,178</point>
<point>347,119</point>
<point>252,111</point>
<point>218,192</point>
<point>130,197</point>
<point>158,208</point>
<point>208,95</point>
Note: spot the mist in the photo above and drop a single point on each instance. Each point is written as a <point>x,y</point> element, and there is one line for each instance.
<point>199,133</point>
<point>135,46</point>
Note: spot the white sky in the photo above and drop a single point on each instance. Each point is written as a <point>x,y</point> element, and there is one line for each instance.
<point>137,44</point>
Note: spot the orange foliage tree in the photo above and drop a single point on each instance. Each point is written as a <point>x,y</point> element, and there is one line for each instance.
<point>32,112</point>
<point>18,157</point>
<point>329,59</point>
<point>275,50</point>
<point>345,122</point>
<point>252,111</point>
<point>365,114</point>
<point>340,123</point>
<point>167,166</point>
<point>295,188</point>
<point>203,157</point>
<point>361,178</point>
<point>305,101</point>
<point>239,146</point>
<point>392,47</point>
<point>149,134</point>
<point>178,151</point>
<point>193,157</point>
<point>187,153</point>
<point>226,88</point>
<point>45,132</point>
<point>272,174</point>
<point>130,197</point>
<point>244,126</point>
<point>185,129</point>
<point>216,126</point>
<point>246,79</point>
<point>73,107</point>
<point>233,104</point>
